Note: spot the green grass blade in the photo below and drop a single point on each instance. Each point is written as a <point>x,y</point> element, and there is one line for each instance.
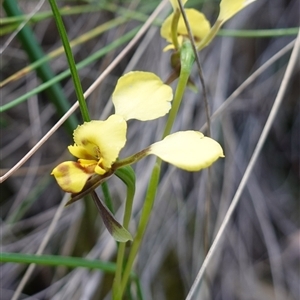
<point>126,37</point>
<point>259,33</point>
<point>75,77</point>
<point>55,260</point>
<point>34,52</point>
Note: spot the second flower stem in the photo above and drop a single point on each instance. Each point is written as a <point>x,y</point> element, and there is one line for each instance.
<point>187,60</point>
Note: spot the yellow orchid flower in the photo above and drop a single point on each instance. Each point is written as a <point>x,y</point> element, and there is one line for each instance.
<point>138,95</point>
<point>97,146</point>
<point>200,27</point>
<point>228,8</point>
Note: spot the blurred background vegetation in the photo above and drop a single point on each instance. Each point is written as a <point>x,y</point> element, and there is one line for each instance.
<point>259,255</point>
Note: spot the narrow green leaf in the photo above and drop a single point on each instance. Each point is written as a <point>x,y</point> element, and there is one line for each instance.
<point>66,73</point>
<point>71,61</point>
<point>35,52</point>
<point>55,260</point>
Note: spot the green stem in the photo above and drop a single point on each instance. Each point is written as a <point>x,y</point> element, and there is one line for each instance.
<point>71,61</point>
<point>187,59</point>
<point>107,197</point>
<point>131,159</point>
<point>146,212</point>
<point>56,260</point>
<point>127,175</point>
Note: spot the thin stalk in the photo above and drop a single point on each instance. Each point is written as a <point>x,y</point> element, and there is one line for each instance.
<point>107,197</point>
<point>131,159</point>
<point>200,72</point>
<point>122,246</point>
<point>35,52</point>
<point>95,32</point>
<point>127,175</point>
<point>71,61</point>
<point>187,60</point>
<point>66,73</point>
<point>146,212</point>
<point>211,35</point>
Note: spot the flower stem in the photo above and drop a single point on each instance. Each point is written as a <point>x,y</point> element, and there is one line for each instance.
<point>146,212</point>
<point>127,175</point>
<point>131,159</point>
<point>71,61</point>
<point>187,60</point>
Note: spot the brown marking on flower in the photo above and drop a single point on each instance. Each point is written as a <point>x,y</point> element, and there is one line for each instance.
<point>86,169</point>
<point>84,142</point>
<point>62,168</point>
<point>67,181</point>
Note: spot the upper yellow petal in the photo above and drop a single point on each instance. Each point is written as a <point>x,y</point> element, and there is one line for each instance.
<point>82,151</point>
<point>198,23</point>
<point>71,176</point>
<point>142,96</point>
<point>101,140</point>
<point>175,3</point>
<point>228,8</point>
<point>188,150</point>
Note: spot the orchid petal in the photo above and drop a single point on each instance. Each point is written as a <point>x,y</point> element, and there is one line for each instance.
<point>71,176</point>
<point>228,8</point>
<point>188,150</point>
<point>200,26</point>
<point>100,140</point>
<point>142,96</point>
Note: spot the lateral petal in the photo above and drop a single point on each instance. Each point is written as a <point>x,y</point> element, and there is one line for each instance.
<point>228,8</point>
<point>198,23</point>
<point>71,176</point>
<point>188,150</point>
<point>142,96</point>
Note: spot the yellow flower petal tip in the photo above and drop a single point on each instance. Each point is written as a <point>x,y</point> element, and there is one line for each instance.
<point>142,96</point>
<point>228,8</point>
<point>200,26</point>
<point>188,150</point>
<point>71,176</point>
<point>175,4</point>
